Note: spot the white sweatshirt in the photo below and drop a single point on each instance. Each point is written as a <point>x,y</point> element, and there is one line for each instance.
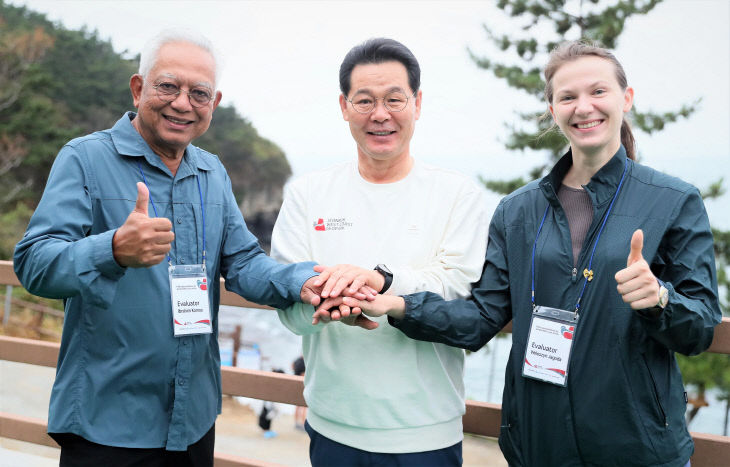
<point>378,390</point>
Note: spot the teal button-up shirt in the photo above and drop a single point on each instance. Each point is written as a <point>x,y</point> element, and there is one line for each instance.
<point>122,378</point>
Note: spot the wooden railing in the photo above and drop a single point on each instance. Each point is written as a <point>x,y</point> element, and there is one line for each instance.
<point>481,418</point>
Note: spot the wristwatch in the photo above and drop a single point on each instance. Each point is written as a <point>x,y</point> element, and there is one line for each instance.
<point>387,275</point>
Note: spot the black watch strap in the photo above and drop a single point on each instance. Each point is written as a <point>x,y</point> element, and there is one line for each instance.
<point>387,275</point>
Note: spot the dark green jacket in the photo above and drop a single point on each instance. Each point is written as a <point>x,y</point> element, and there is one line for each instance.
<point>624,403</point>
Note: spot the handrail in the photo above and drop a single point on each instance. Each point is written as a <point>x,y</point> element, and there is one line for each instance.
<point>481,418</point>
<point>720,342</point>
<point>33,430</point>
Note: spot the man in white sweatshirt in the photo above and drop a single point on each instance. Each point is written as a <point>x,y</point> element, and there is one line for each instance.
<point>377,397</point>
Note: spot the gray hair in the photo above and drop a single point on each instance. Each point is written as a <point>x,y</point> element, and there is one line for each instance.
<point>152,48</point>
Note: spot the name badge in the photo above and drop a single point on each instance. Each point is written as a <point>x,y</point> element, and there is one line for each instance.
<point>190,306</point>
<point>549,345</point>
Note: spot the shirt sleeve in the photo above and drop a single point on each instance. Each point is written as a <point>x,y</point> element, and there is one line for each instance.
<point>57,257</point>
<point>460,256</point>
<point>465,323</point>
<point>247,269</point>
<point>686,264</point>
<point>288,245</point>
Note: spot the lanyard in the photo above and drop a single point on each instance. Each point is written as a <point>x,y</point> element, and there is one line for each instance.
<point>588,272</point>
<point>202,209</point>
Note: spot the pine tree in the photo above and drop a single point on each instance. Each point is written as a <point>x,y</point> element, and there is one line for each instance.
<point>594,20</point>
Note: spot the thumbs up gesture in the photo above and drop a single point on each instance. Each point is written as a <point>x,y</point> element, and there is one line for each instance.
<point>636,283</point>
<point>142,241</point>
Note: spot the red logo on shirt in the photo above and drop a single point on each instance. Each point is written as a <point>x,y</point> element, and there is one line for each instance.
<point>319,225</point>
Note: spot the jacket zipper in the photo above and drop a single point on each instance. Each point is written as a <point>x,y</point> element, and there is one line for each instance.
<point>655,392</point>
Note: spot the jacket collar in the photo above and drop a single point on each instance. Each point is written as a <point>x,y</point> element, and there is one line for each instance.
<point>128,142</point>
<point>603,184</point>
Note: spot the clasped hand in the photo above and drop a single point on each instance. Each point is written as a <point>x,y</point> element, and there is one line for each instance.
<point>636,284</point>
<point>330,291</point>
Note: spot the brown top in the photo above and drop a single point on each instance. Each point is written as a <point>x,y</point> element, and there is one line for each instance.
<point>579,211</point>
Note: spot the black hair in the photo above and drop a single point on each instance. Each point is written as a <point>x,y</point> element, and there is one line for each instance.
<point>380,50</point>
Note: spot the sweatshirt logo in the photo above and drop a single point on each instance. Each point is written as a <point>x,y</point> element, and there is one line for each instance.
<point>331,223</point>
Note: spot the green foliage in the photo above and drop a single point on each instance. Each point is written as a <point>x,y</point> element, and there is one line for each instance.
<point>596,20</point>
<point>70,83</point>
<point>58,84</point>
<point>12,226</point>
<point>256,162</point>
<point>95,91</point>
<point>503,186</point>
<point>650,122</point>
<point>603,24</point>
<point>708,369</point>
<point>715,190</point>
<point>722,245</point>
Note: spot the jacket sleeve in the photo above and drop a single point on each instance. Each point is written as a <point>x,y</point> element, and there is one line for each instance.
<point>58,257</point>
<point>459,258</point>
<point>247,269</point>
<point>465,323</point>
<point>289,244</point>
<point>686,264</point>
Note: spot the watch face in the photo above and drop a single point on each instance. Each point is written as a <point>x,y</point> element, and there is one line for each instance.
<point>663,297</point>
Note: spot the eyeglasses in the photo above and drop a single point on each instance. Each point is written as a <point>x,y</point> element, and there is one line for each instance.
<point>394,101</point>
<point>168,92</point>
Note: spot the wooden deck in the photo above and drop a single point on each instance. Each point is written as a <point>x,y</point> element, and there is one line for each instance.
<point>481,418</point>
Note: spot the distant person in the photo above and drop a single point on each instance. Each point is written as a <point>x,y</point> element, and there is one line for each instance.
<point>300,413</point>
<point>380,398</point>
<point>269,411</point>
<point>606,269</point>
<point>134,230</point>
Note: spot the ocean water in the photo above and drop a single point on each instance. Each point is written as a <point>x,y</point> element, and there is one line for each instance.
<point>267,345</point>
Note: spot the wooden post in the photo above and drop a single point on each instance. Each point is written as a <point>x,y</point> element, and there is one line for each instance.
<point>236,344</point>
<point>8,298</point>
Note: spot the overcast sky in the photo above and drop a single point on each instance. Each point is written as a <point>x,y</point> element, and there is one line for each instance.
<point>282,59</point>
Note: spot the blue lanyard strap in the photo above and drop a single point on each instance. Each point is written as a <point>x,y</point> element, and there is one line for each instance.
<point>202,214</point>
<point>588,272</point>
<point>534,245</point>
<point>154,208</point>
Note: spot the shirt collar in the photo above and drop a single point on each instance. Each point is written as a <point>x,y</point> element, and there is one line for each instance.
<point>603,184</point>
<point>128,142</point>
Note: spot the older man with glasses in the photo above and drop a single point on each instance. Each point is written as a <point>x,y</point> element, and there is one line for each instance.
<point>138,379</point>
<point>379,398</point>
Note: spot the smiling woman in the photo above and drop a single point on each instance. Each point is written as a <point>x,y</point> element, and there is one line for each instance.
<point>588,96</point>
